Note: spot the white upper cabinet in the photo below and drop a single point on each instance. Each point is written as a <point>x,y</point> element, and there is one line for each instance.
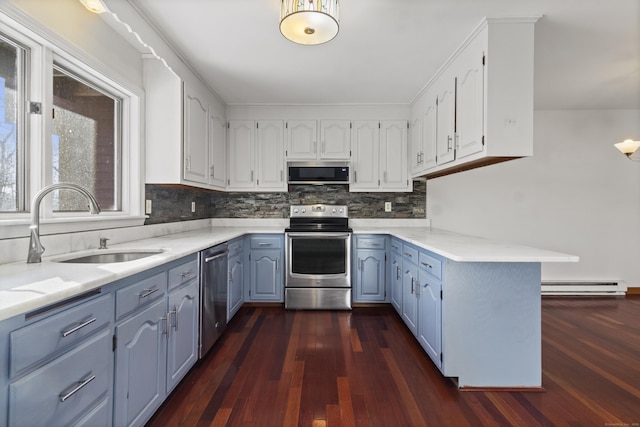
<point>318,140</point>
<point>479,108</point>
<point>256,155</point>
<point>185,131</point>
<point>380,160</point>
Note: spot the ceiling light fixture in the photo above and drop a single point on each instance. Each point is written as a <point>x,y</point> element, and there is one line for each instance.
<point>629,148</point>
<point>309,22</point>
<point>94,6</point>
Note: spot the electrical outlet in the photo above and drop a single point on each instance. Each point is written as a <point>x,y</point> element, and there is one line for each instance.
<point>193,206</point>
<point>147,207</point>
<point>387,206</point>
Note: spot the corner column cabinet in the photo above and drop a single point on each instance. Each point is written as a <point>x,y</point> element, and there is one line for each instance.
<point>178,111</point>
<point>318,140</point>
<point>395,274</point>
<point>370,268</point>
<point>410,287</point>
<point>266,260</point>
<point>235,269</point>
<point>479,109</point>
<point>380,156</point>
<point>256,160</point>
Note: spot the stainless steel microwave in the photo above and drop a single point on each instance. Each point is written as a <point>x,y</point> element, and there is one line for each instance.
<point>318,173</point>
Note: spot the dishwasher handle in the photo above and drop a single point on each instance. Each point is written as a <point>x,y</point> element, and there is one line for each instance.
<point>216,256</point>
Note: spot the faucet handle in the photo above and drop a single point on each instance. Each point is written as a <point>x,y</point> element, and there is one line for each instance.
<point>103,243</point>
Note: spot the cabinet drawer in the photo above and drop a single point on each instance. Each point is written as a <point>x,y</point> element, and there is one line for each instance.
<point>431,265</point>
<point>62,390</point>
<point>183,273</point>
<point>410,253</point>
<point>370,242</point>
<point>396,245</point>
<point>266,243</point>
<point>140,294</point>
<point>235,247</point>
<point>35,342</point>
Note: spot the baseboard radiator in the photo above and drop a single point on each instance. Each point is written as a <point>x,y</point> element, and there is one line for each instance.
<point>611,288</point>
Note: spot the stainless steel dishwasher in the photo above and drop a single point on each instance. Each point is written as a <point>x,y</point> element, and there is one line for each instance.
<point>213,296</point>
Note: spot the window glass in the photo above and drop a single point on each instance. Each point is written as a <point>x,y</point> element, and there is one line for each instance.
<point>85,142</point>
<point>11,84</point>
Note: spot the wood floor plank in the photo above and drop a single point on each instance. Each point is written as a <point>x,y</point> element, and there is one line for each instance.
<point>363,368</point>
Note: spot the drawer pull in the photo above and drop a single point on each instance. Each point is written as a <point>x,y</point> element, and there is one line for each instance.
<point>76,388</point>
<point>186,274</point>
<point>146,292</point>
<point>77,327</point>
<point>426,265</point>
<point>407,254</point>
<point>264,244</point>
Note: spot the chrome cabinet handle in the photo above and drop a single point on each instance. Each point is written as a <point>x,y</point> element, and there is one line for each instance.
<point>146,292</point>
<point>398,273</point>
<point>188,163</point>
<point>165,323</point>
<point>264,244</point>
<point>213,171</point>
<point>77,327</point>
<point>412,285</point>
<point>449,142</point>
<point>426,265</point>
<point>407,254</point>
<point>186,274</point>
<point>174,313</point>
<point>76,388</point>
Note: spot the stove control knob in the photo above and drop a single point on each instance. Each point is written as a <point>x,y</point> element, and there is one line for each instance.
<point>341,210</point>
<point>304,210</point>
<point>334,210</point>
<point>295,211</point>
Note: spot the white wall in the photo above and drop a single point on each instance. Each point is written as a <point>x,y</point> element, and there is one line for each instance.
<point>576,195</point>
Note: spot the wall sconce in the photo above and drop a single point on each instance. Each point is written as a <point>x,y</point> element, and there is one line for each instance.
<point>629,148</point>
<point>94,6</point>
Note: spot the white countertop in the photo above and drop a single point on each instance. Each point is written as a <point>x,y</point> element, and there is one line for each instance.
<point>26,287</point>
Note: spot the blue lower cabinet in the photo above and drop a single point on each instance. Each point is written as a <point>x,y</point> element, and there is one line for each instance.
<point>266,260</point>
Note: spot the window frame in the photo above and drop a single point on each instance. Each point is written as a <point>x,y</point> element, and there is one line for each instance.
<point>44,50</point>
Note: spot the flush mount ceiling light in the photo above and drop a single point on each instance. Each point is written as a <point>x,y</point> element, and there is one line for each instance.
<point>629,148</point>
<point>94,6</point>
<point>309,22</point>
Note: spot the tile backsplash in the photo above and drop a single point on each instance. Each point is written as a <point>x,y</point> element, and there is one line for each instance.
<point>172,203</point>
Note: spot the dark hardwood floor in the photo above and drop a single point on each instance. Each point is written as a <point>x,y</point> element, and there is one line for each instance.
<point>363,368</point>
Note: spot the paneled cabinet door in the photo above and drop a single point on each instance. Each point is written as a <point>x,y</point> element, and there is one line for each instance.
<point>267,278</point>
<point>371,279</point>
<point>241,149</point>
<point>182,350</point>
<point>217,151</point>
<point>270,155</point>
<point>428,158</point>
<point>235,292</point>
<point>301,137</point>
<point>430,317</point>
<point>445,135</point>
<point>415,145</point>
<point>409,296</point>
<point>335,140</point>
<point>396,281</point>
<point>469,67</point>
<point>196,138</point>
<point>366,152</point>
<point>140,365</point>
<point>393,155</point>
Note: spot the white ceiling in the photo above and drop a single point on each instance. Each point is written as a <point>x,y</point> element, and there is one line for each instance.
<point>587,52</point>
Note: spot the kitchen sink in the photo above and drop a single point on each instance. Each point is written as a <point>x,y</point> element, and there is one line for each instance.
<point>111,256</point>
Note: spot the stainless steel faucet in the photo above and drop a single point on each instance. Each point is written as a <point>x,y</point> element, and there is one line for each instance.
<point>35,247</point>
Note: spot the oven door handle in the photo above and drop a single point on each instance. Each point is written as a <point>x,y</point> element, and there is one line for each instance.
<point>318,234</point>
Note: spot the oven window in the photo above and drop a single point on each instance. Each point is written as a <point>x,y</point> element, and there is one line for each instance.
<point>318,256</point>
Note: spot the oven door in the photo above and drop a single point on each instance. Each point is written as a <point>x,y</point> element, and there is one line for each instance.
<point>318,259</point>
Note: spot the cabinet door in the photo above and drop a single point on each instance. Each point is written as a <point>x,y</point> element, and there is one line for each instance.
<point>241,154</point>
<point>409,296</point>
<point>396,281</point>
<point>235,291</point>
<point>196,138</point>
<point>430,317</point>
<point>366,149</point>
<point>140,365</point>
<point>335,140</point>
<point>370,273</point>
<point>446,122</point>
<point>270,155</point>
<point>470,100</point>
<point>429,135</point>
<point>182,349</point>
<point>218,151</point>
<point>393,155</point>
<point>266,275</point>
<point>415,145</point>
<point>301,140</point>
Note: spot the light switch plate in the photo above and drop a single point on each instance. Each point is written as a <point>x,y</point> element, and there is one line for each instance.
<point>387,206</point>
<point>193,206</point>
<point>147,207</point>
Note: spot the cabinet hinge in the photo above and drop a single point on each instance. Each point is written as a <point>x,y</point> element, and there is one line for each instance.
<point>436,101</point>
<point>228,181</point>
<point>257,125</point>
<point>483,60</point>
<point>379,125</point>
<point>350,125</point>
<point>407,125</point>
<point>440,293</point>
<point>114,343</point>
<point>228,125</point>
<point>483,140</point>
<point>249,257</point>
<point>286,125</point>
<point>286,152</point>
<point>441,357</point>
<point>249,292</point>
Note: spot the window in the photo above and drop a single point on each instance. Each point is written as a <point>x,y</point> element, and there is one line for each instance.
<point>65,116</point>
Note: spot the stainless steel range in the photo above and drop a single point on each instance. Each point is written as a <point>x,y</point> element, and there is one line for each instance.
<point>318,258</point>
